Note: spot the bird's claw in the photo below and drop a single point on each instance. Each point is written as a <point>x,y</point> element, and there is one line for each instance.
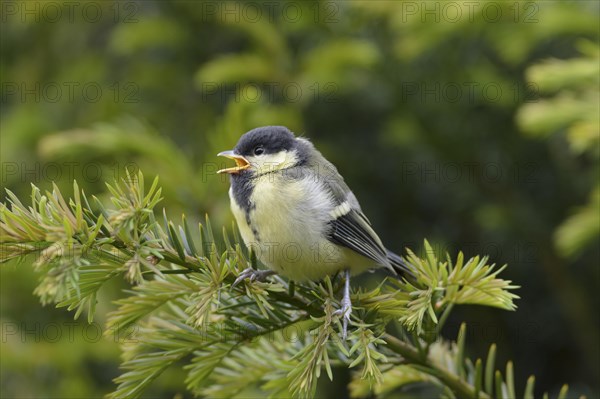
<point>253,275</point>
<point>344,311</point>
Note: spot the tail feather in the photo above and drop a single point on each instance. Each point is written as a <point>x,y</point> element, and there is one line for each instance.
<point>399,265</point>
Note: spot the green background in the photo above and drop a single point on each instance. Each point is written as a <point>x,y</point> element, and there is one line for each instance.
<point>471,124</point>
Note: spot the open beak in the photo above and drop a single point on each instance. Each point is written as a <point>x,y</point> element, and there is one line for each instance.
<point>240,162</point>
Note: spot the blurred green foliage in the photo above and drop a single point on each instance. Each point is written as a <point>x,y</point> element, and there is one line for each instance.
<point>573,109</point>
<point>473,123</point>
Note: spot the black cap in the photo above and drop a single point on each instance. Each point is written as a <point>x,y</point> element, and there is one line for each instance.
<point>272,139</point>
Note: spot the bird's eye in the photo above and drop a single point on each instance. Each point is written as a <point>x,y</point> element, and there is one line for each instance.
<point>259,150</point>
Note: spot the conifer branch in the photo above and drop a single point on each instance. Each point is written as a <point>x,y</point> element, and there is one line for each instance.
<point>186,309</point>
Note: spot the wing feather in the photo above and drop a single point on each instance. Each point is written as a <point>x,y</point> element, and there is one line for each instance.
<point>350,228</point>
<point>351,232</point>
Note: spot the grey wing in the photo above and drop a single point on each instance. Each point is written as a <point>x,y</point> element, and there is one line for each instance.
<point>352,231</point>
<point>350,228</point>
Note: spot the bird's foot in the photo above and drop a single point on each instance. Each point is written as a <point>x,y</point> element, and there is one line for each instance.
<point>346,309</point>
<point>253,275</point>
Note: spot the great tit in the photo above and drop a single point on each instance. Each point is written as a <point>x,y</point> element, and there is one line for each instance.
<point>296,213</point>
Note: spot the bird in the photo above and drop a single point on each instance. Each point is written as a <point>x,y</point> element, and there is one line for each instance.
<point>296,213</point>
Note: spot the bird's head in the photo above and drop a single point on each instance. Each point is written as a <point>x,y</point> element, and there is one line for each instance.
<point>266,149</point>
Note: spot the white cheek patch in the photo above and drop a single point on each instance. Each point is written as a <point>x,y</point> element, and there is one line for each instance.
<point>272,162</point>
